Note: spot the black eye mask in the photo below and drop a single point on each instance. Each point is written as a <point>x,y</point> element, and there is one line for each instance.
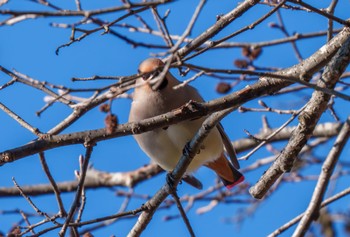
<point>158,85</point>
<point>163,84</point>
<point>146,76</point>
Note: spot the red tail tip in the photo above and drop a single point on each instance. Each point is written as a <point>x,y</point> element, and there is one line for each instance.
<point>241,179</point>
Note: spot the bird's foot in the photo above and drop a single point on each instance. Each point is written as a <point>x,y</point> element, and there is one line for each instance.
<point>171,182</point>
<point>187,150</point>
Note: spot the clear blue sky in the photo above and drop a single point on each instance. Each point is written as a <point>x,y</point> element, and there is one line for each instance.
<point>29,47</point>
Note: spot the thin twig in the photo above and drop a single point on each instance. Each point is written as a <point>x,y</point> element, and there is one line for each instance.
<point>25,218</point>
<point>330,10</point>
<point>89,222</point>
<point>249,27</point>
<point>162,27</point>
<point>21,121</point>
<point>62,211</point>
<point>52,219</point>
<point>82,206</point>
<point>185,82</point>
<point>107,222</point>
<point>282,27</point>
<point>78,4</point>
<point>105,29</point>
<point>267,139</point>
<point>183,213</point>
<point>294,37</point>
<point>25,79</point>
<point>189,27</point>
<point>79,189</point>
<point>275,75</point>
<point>82,13</point>
<point>298,218</point>
<point>320,12</point>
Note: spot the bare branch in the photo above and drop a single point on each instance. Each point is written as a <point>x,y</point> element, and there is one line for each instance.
<point>307,122</point>
<point>62,211</point>
<point>323,13</point>
<point>23,15</point>
<point>191,150</point>
<point>249,27</point>
<point>323,180</point>
<point>100,179</point>
<point>82,175</point>
<point>217,27</point>
<point>21,121</point>
<point>298,218</point>
<point>267,139</point>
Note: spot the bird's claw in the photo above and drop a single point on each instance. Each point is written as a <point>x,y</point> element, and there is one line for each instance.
<point>171,182</point>
<point>187,150</point>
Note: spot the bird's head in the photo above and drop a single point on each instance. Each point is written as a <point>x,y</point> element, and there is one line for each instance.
<point>150,69</point>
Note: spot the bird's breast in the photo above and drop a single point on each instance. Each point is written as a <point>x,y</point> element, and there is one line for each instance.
<point>165,146</point>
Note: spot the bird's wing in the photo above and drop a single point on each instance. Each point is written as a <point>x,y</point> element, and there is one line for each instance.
<point>228,146</point>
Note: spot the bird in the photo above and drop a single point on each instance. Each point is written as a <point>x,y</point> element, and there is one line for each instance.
<point>165,145</point>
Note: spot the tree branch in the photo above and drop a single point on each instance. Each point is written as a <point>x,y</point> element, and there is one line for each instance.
<point>297,218</point>
<point>307,122</point>
<point>323,180</point>
<point>191,150</point>
<point>101,179</point>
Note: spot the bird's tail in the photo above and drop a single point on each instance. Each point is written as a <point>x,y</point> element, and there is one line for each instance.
<point>227,173</point>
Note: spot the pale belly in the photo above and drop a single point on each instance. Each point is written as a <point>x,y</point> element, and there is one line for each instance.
<point>165,146</point>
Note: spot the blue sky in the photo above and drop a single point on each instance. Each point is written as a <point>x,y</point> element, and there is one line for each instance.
<point>29,47</point>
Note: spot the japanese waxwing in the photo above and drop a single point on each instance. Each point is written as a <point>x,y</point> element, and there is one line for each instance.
<point>165,145</point>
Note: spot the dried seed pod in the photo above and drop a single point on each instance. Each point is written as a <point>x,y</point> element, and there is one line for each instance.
<point>241,63</point>
<point>255,53</point>
<point>88,234</point>
<point>15,231</point>
<point>105,108</point>
<point>111,122</point>
<point>273,25</point>
<point>246,51</point>
<point>223,87</point>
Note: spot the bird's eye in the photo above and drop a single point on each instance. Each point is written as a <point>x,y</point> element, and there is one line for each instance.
<point>149,75</point>
<point>145,76</point>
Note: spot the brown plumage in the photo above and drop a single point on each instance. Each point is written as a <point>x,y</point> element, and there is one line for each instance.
<point>165,145</point>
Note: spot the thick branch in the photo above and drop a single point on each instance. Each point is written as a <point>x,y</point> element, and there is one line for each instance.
<point>307,122</point>
<point>177,173</point>
<point>99,179</point>
<point>94,179</point>
<point>323,180</point>
<point>217,27</point>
